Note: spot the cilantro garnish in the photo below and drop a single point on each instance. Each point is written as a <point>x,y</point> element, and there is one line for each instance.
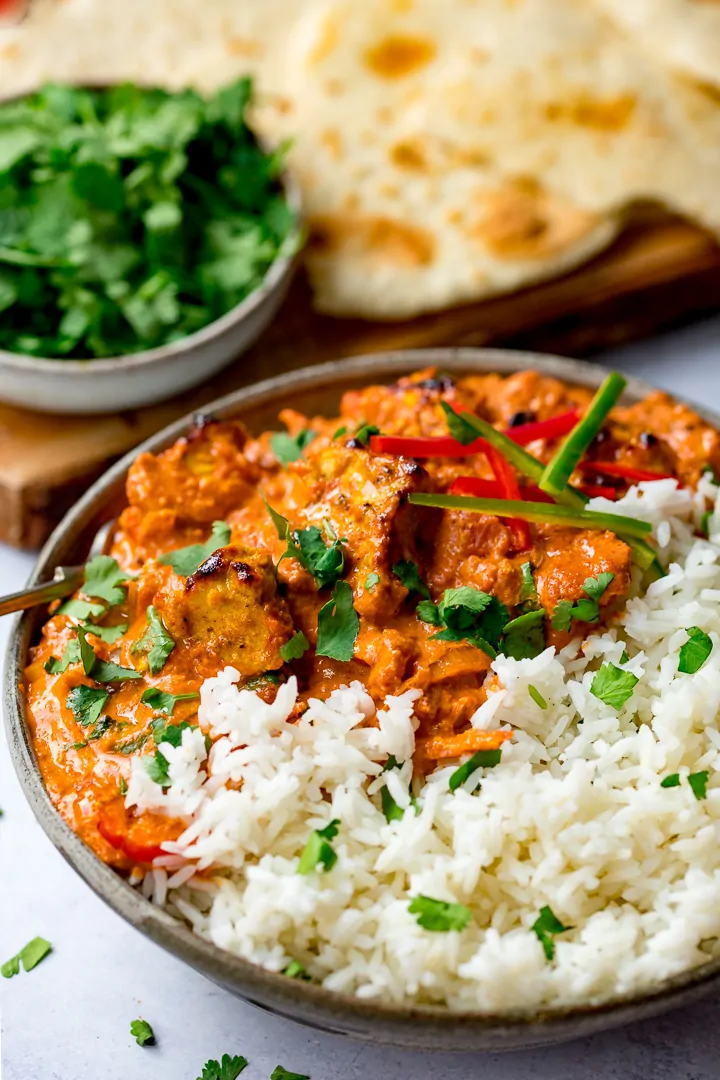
<point>705,523</point>
<point>537,697</point>
<point>458,428</point>
<point>318,852</point>
<point>80,609</point>
<point>86,703</point>
<point>287,448</point>
<point>162,701</point>
<point>528,589</point>
<point>408,574</point>
<point>340,432</point>
<point>164,732</point>
<point>624,657</point>
<point>108,634</point>
<point>30,956</point>
<point>698,783</point>
<point>156,642</point>
<point>439,915</point>
<point>279,1073</point>
<point>546,927</point>
<point>467,614</point>
<point>295,647</point>
<point>338,625</point>
<point>103,578</point>
<point>103,671</point>
<point>71,655</point>
<point>132,744</point>
<point>123,786</point>
<point>695,651</point>
<point>613,685</point>
<point>524,637</point>
<point>144,1035</point>
<point>370,582</point>
<point>390,808</point>
<point>587,608</point>
<point>364,431</point>
<point>483,759</point>
<point>185,561</point>
<point>295,970</point>
<point>673,780</point>
<point>228,1068</point>
<point>132,216</point>
<point>709,471</point>
<point>326,564</point>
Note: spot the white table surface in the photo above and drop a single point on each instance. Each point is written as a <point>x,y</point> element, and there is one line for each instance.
<point>69,1018</point>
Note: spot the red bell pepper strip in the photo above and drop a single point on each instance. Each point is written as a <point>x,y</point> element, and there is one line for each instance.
<point>475,485</point>
<point>626,472</point>
<point>599,491</point>
<point>554,428</point>
<point>424,446</point>
<point>508,483</point>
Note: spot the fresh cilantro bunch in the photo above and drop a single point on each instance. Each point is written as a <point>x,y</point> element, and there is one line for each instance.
<point>131,217</point>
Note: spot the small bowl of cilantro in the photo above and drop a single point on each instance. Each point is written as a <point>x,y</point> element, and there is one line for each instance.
<point>146,239</point>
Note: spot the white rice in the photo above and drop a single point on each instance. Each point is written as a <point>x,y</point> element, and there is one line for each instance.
<point>573,817</point>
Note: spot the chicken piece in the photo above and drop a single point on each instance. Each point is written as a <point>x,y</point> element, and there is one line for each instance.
<point>571,556</point>
<point>364,498</point>
<point>470,549</point>
<point>200,478</point>
<point>674,438</point>
<point>230,609</point>
<point>411,406</point>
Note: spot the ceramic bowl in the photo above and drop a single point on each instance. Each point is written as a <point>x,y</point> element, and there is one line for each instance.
<point>312,390</point>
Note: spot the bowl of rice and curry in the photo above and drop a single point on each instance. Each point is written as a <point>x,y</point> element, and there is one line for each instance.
<point>392,705</point>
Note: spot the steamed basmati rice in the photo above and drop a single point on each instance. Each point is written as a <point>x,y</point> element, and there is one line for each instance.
<point>573,817</point>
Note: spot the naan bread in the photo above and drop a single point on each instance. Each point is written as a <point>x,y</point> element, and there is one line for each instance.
<point>684,34</point>
<point>446,151</point>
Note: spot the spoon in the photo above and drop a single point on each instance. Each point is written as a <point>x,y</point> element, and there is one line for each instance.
<point>66,579</point>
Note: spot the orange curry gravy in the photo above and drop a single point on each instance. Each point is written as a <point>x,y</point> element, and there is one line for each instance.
<point>238,609</point>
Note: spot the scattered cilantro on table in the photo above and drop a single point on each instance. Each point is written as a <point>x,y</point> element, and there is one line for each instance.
<point>131,217</point>
<point>144,1035</point>
<point>30,956</point>
<point>279,1073</point>
<point>185,561</point>
<point>228,1068</point>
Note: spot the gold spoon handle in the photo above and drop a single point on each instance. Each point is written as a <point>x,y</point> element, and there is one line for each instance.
<point>67,579</point>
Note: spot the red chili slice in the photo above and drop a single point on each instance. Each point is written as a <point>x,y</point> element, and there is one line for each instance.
<point>553,428</point>
<point>137,837</point>
<point>626,472</point>
<point>599,491</point>
<point>424,446</point>
<point>474,485</point>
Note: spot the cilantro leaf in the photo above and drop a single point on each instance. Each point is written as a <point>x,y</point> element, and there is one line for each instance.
<point>296,647</point>
<point>370,582</point>
<point>338,625</point>
<point>467,614</point>
<point>71,655</point>
<point>524,637</point>
<point>698,783</point>
<point>537,697</point>
<point>103,671</point>
<point>595,587</point>
<point>162,701</point>
<point>326,564</point>
<point>108,634</point>
<point>80,609</point>
<point>132,744</point>
<point>408,574</point>
<point>229,1068</point>
<point>295,970</point>
<point>287,448</point>
<point>103,578</point>
<point>482,759</point>
<point>695,651</point>
<point>87,703</point>
<point>340,431</point>
<point>390,808</point>
<point>279,1073</point>
<point>363,433</point>
<point>185,561</point>
<point>317,851</point>
<point>613,685</point>
<point>528,589</point>
<point>143,1033</point>
<point>439,915</point>
<point>546,927</point>
<point>673,780</point>
<point>586,609</point>
<point>30,955</point>
<point>156,642</point>
<point>458,428</point>
<point>562,615</point>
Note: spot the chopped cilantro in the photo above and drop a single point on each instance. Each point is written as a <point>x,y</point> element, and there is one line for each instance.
<point>296,647</point>
<point>624,657</point>
<point>185,561</point>
<point>673,780</point>
<point>103,578</point>
<point>102,671</point>
<point>164,731</point>
<point>123,786</point>
<point>279,1073</point>
<point>31,955</point>
<point>156,642</point>
<point>705,523</point>
<point>228,1068</point>
<point>318,852</point>
<point>483,759</point>
<point>326,564</point>
<point>467,614</point>
<point>364,431</point>
<point>340,432</point>
<point>698,783</point>
<point>524,637</point>
<point>108,634</point>
<point>71,655</point>
<point>162,701</point>
<point>537,697</point>
<point>613,685</point>
<point>132,744</point>
<point>695,651</point>
<point>295,970</point>
<point>287,448</point>
<point>408,574</point>
<point>80,609</point>
<point>546,927</point>
<point>144,1035</point>
<point>390,808</point>
<point>86,703</point>
<point>528,589</point>
<point>458,428</point>
<point>371,581</point>
<point>709,471</point>
<point>595,587</point>
<point>439,915</point>
<point>338,625</point>
<point>586,609</point>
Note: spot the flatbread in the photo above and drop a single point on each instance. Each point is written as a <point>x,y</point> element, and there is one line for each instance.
<point>445,151</point>
<point>684,34</point>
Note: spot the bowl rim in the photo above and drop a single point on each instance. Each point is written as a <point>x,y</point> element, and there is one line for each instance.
<point>419,1025</point>
<point>282,265</point>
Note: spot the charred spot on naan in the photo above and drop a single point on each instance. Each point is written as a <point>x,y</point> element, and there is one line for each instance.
<point>398,55</point>
<point>609,114</point>
<point>373,237</point>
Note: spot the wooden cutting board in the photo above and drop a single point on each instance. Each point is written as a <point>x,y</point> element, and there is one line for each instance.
<point>660,272</point>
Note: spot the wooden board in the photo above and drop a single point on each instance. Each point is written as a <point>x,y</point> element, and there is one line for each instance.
<point>660,272</point>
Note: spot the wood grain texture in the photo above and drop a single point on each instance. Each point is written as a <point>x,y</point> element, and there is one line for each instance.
<point>660,272</point>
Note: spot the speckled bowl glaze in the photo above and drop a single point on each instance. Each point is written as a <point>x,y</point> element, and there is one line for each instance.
<point>312,390</point>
